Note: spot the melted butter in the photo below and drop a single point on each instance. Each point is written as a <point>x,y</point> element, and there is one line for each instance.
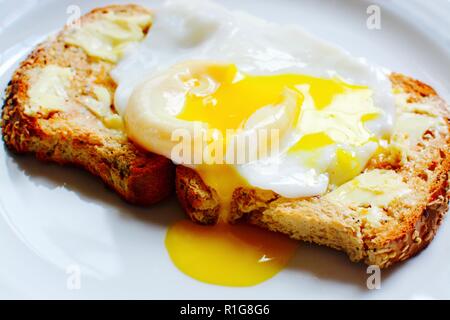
<point>343,120</point>
<point>100,106</point>
<point>106,38</point>
<point>228,255</point>
<point>48,91</point>
<point>410,127</point>
<point>376,188</point>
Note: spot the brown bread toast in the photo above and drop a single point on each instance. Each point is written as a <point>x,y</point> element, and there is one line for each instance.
<point>59,107</point>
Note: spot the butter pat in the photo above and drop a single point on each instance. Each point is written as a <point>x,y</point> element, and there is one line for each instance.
<point>373,215</point>
<point>403,106</point>
<point>113,121</point>
<point>343,120</point>
<point>48,91</point>
<point>376,188</point>
<point>100,106</point>
<point>108,37</point>
<point>410,127</point>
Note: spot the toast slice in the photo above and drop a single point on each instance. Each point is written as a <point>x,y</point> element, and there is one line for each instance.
<point>385,215</point>
<point>59,105</point>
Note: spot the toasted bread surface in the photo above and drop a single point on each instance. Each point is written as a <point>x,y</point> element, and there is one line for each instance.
<point>405,226</point>
<point>73,133</point>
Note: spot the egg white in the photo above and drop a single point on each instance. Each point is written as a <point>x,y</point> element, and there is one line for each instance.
<point>199,30</point>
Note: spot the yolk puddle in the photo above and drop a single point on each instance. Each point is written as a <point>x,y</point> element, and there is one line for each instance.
<point>228,255</point>
<point>224,98</point>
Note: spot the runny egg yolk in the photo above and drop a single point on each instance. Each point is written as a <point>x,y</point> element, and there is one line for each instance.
<point>228,255</point>
<point>224,179</point>
<point>225,98</point>
<point>311,142</point>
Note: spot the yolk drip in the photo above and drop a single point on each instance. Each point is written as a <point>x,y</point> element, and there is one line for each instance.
<point>228,255</point>
<point>224,179</point>
<point>312,141</point>
<point>345,168</point>
<point>222,97</point>
<point>225,98</point>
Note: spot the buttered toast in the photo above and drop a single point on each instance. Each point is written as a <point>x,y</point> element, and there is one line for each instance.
<point>385,215</point>
<point>59,105</point>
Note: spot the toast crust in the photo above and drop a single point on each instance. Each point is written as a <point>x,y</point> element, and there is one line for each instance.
<point>75,136</point>
<point>317,220</point>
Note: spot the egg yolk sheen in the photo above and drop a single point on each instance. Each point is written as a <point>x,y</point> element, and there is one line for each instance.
<point>228,255</point>
<point>224,98</point>
<point>239,95</point>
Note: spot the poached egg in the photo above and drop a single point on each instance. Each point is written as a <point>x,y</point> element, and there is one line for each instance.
<point>216,77</point>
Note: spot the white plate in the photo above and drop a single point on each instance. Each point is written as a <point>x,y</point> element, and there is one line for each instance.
<point>54,220</point>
